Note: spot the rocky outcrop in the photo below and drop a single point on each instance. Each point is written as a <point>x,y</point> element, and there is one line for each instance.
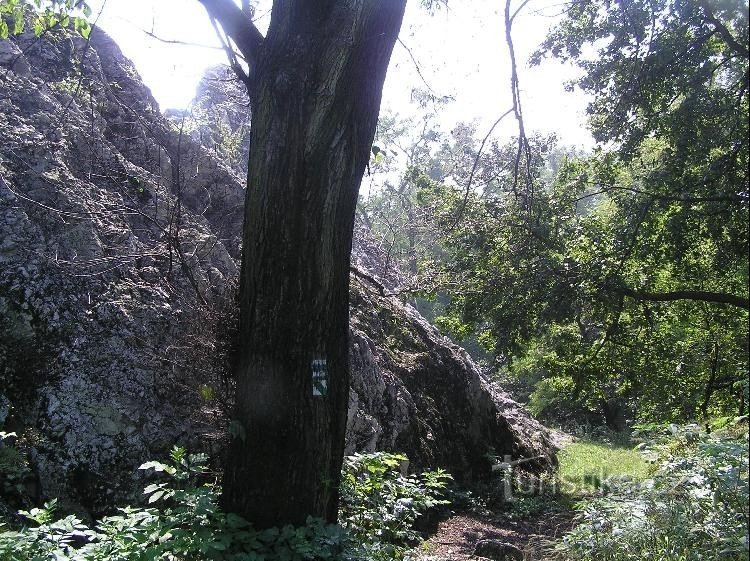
<point>115,231</point>
<point>119,244</point>
<point>413,390</point>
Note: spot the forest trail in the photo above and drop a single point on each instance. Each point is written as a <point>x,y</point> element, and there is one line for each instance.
<point>455,538</point>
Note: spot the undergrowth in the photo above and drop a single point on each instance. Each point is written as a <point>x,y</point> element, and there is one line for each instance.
<point>694,507</point>
<point>183,521</point>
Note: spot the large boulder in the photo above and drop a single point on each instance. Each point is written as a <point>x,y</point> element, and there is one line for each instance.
<point>119,248</point>
<point>413,390</point>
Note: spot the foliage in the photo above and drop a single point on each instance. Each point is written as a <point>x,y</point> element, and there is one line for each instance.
<point>556,393</point>
<point>620,278</point>
<point>183,521</point>
<point>669,86</point>
<point>380,504</point>
<point>695,507</point>
<point>672,68</point>
<point>43,15</point>
<point>14,468</point>
<point>399,169</point>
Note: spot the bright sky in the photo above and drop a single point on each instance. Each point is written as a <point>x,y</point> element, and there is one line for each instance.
<point>460,51</point>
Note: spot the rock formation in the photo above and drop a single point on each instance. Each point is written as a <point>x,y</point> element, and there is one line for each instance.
<point>119,248</point>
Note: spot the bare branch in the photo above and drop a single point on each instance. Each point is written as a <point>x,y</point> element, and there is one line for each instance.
<point>518,10</point>
<point>231,55</point>
<point>176,41</point>
<point>523,143</point>
<point>238,27</point>
<point>474,169</point>
<point>417,66</point>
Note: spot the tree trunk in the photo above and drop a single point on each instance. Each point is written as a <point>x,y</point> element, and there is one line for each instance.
<point>316,97</point>
<point>710,384</point>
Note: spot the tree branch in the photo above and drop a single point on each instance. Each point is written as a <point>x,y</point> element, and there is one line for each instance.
<point>369,278</point>
<point>523,143</point>
<point>467,191</point>
<point>664,197</point>
<point>416,65</point>
<point>698,295</point>
<point>231,55</point>
<point>238,27</point>
<point>725,34</point>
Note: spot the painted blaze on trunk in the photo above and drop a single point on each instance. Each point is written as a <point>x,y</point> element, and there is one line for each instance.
<point>316,95</point>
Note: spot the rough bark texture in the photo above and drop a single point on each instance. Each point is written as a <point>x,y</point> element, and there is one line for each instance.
<point>315,98</point>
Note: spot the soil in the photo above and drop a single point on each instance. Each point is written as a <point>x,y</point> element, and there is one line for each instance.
<point>457,535</point>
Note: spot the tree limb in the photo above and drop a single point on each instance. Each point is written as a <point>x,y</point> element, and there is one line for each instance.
<point>369,278</point>
<point>237,26</point>
<point>698,295</point>
<point>231,55</point>
<point>665,197</point>
<point>725,34</point>
<point>523,143</point>
<point>467,191</point>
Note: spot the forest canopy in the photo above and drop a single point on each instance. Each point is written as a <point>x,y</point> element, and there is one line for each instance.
<point>612,283</point>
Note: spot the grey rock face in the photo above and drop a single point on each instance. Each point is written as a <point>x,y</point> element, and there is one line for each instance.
<point>119,247</point>
<point>417,392</point>
<point>102,273</point>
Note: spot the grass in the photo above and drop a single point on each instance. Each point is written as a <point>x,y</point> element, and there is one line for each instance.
<point>587,465</point>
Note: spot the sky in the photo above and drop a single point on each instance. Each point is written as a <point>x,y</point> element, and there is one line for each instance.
<point>459,51</point>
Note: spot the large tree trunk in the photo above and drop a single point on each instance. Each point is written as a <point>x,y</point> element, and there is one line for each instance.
<point>316,96</point>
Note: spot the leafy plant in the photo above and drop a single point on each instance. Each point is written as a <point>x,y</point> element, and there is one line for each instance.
<point>380,504</point>
<point>183,521</point>
<point>14,468</point>
<point>44,15</point>
<point>695,507</point>
<point>187,524</point>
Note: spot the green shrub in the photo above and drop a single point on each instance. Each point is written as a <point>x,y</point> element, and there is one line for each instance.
<point>187,526</point>
<point>380,504</point>
<point>183,521</point>
<point>695,507</point>
<point>14,468</point>
<point>552,395</point>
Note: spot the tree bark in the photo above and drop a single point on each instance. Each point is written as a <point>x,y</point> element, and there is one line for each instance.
<point>710,384</point>
<point>315,94</point>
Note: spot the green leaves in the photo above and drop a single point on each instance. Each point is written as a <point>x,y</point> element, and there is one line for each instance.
<point>552,277</point>
<point>11,11</point>
<point>41,515</point>
<point>45,15</point>
<point>695,507</point>
<point>188,523</point>
<point>380,503</point>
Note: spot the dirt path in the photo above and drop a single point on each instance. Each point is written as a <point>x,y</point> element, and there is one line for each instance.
<point>456,536</point>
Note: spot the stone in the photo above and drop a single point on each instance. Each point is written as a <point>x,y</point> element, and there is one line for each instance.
<point>11,57</point>
<point>498,550</point>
